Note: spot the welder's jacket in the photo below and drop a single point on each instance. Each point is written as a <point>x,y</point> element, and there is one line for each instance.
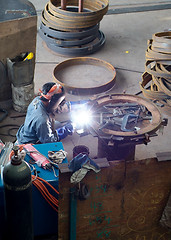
<point>38,126</point>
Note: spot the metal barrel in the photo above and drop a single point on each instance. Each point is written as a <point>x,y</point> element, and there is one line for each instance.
<point>18,24</point>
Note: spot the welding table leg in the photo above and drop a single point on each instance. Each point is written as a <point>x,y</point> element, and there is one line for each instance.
<point>119,150</point>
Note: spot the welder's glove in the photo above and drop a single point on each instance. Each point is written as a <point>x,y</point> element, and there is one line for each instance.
<point>69,128</point>
<point>80,165</point>
<point>64,131</point>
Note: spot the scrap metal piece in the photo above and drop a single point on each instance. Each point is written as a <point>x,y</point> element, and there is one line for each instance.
<point>125,121</point>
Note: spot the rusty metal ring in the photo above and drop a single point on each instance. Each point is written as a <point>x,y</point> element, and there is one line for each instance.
<point>122,98</point>
<point>83,61</point>
<point>80,50</point>
<point>65,43</point>
<point>153,94</point>
<point>93,8</point>
<point>162,37</point>
<point>70,35</point>
<point>66,24</point>
<point>152,55</point>
<point>152,70</point>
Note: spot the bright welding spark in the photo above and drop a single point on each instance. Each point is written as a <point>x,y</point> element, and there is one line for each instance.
<point>81,118</point>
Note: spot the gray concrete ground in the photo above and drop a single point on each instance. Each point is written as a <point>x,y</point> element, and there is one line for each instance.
<point>126,42</point>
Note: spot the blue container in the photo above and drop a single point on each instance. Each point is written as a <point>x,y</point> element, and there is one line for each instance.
<point>45,219</point>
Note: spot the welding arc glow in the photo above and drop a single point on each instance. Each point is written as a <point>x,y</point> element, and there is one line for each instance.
<point>81,118</point>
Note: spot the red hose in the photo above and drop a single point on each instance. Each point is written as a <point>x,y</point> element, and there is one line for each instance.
<point>38,182</point>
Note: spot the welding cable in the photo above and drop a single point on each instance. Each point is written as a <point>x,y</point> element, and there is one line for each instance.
<point>12,129</point>
<point>14,126</point>
<point>9,134</point>
<point>9,125</point>
<point>38,183</point>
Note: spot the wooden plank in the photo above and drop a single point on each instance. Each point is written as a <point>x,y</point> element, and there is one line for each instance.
<point>126,202</point>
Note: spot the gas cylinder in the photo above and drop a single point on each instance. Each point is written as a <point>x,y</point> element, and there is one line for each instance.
<point>18,198</point>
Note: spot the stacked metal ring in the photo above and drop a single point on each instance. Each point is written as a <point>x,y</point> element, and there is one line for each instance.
<point>158,68</point>
<point>69,32</point>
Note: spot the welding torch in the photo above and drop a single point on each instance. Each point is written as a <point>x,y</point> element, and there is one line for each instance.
<point>81,116</point>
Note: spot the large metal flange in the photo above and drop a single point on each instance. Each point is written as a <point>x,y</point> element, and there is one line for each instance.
<point>147,127</point>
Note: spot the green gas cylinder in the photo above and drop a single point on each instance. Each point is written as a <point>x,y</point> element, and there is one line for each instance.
<point>18,198</point>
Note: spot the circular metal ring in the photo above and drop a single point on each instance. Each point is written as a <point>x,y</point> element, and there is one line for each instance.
<point>66,24</point>
<point>152,126</point>
<point>85,75</point>
<point>85,32</point>
<point>91,8</point>
<point>80,50</point>
<point>62,43</point>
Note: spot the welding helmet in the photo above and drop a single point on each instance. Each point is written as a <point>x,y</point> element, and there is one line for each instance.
<point>53,93</point>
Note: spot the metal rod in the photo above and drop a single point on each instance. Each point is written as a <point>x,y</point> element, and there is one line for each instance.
<point>80,6</point>
<point>63,4</point>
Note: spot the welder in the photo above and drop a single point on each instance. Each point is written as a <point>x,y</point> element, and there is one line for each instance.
<point>40,124</point>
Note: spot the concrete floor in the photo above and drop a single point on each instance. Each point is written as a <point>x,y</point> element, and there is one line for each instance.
<point>126,42</point>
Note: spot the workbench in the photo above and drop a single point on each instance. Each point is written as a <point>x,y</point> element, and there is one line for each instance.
<point>45,219</point>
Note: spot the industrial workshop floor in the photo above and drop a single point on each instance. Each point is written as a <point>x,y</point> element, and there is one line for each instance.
<point>126,42</point>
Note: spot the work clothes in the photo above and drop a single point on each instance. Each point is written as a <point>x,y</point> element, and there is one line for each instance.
<point>80,165</point>
<point>38,125</point>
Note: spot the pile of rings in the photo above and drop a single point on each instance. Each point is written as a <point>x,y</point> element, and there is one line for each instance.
<point>158,68</point>
<point>71,32</point>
